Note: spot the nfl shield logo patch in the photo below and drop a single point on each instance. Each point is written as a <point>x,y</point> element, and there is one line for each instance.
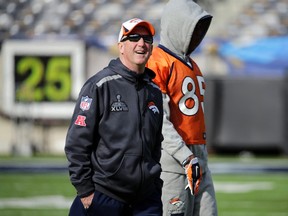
<point>85,103</point>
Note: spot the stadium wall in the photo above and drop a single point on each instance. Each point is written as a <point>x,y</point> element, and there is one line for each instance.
<point>242,114</point>
<point>247,114</point>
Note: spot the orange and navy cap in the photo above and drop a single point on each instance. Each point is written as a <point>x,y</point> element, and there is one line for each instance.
<point>129,25</point>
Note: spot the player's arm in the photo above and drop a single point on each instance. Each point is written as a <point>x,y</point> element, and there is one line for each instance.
<point>173,143</point>
<point>175,146</point>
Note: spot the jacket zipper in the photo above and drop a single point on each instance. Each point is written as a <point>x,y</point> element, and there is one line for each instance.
<point>141,114</point>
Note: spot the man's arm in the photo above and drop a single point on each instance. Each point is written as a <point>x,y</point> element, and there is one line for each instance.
<point>173,143</point>
<point>79,141</point>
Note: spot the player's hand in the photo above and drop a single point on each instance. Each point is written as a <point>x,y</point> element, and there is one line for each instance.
<point>194,175</point>
<point>86,201</point>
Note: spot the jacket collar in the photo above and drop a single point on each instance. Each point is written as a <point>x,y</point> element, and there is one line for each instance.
<point>117,66</point>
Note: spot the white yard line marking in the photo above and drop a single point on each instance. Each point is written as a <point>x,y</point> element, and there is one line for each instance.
<point>59,202</point>
<point>242,187</point>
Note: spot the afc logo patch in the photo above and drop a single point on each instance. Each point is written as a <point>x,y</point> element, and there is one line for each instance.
<point>80,121</point>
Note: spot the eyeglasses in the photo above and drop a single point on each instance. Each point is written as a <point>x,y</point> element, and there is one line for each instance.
<point>136,37</point>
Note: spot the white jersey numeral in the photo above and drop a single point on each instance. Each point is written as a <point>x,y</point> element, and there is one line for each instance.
<point>188,90</point>
<point>196,170</point>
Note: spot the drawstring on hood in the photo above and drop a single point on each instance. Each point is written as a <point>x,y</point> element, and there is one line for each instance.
<point>188,13</point>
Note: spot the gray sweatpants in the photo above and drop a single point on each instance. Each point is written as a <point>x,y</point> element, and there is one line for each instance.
<point>178,201</point>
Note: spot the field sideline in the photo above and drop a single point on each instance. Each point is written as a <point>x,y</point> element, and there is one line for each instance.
<point>262,193</point>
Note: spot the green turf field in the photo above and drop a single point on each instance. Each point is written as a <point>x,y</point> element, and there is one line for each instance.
<point>34,194</point>
<point>252,195</point>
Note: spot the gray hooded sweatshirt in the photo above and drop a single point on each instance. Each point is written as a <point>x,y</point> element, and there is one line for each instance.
<point>180,21</point>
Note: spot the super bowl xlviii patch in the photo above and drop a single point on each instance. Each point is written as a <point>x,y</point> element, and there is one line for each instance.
<point>85,103</point>
<point>119,106</point>
<point>153,107</point>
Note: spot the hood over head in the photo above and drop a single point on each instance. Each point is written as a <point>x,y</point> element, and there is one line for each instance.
<point>182,19</point>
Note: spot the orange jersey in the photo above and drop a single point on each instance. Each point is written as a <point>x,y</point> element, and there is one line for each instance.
<point>186,87</point>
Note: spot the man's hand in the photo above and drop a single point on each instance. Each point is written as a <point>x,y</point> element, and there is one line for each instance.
<point>194,175</point>
<point>86,201</point>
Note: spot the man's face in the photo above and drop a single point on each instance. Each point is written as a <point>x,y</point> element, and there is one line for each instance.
<point>135,49</point>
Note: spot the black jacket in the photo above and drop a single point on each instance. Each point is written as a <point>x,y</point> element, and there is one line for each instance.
<point>113,144</point>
